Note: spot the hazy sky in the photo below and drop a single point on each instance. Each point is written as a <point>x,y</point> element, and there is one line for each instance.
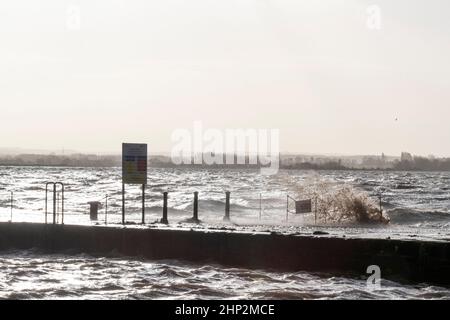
<point>135,70</point>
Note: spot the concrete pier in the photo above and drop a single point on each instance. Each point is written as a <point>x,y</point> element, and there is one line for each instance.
<point>404,260</point>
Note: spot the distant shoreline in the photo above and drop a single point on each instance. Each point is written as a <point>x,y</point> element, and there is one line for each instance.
<point>406,162</point>
<point>216,167</point>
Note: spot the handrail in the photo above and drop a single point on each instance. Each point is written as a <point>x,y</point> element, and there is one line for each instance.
<point>55,201</point>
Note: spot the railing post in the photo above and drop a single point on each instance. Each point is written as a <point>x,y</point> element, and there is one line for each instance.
<point>12,200</point>
<point>106,209</point>
<point>195,214</point>
<point>143,204</point>
<point>260,205</point>
<point>54,203</point>
<point>57,207</point>
<point>227,206</point>
<point>46,200</point>
<point>287,208</point>
<point>164,217</point>
<point>62,203</point>
<point>123,203</point>
<point>315,212</point>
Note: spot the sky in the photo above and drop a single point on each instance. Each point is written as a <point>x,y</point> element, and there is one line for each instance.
<point>334,76</point>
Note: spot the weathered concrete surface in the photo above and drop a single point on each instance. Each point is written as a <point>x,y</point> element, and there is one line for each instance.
<point>409,260</point>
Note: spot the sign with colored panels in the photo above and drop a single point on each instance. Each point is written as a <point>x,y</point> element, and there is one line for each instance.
<point>303,206</point>
<point>134,163</point>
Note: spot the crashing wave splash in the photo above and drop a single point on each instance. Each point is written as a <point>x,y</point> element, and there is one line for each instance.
<point>338,203</point>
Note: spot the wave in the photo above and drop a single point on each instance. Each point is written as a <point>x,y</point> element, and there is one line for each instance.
<point>214,206</point>
<point>402,186</point>
<point>410,216</point>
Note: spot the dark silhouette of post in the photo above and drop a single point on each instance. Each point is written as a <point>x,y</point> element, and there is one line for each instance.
<point>54,203</point>
<point>123,203</point>
<point>143,204</point>
<point>106,209</point>
<point>260,205</point>
<point>12,200</point>
<point>164,217</point>
<point>381,206</point>
<point>227,206</point>
<point>195,216</point>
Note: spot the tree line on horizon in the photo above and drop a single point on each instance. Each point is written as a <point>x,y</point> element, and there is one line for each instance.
<point>414,163</point>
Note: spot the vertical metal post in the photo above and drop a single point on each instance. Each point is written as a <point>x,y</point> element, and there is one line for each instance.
<point>227,206</point>
<point>287,208</point>
<point>54,203</point>
<point>106,209</point>
<point>315,212</point>
<point>62,203</point>
<point>46,198</point>
<point>143,204</point>
<point>57,207</point>
<point>381,207</point>
<point>12,200</point>
<point>260,206</point>
<point>123,203</point>
<point>195,215</point>
<point>164,217</point>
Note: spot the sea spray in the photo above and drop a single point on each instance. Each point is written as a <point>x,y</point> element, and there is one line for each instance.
<point>339,202</point>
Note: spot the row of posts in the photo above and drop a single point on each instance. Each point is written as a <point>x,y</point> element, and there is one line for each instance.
<point>164,218</point>
<point>195,218</point>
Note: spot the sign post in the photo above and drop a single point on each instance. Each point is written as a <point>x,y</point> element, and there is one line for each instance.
<point>134,171</point>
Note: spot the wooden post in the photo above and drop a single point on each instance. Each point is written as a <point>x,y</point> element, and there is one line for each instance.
<point>164,217</point>
<point>227,206</point>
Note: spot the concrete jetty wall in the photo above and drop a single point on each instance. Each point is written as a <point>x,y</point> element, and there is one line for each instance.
<point>408,260</point>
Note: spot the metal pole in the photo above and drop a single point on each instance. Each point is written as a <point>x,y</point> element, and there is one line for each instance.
<point>106,209</point>
<point>381,207</point>
<point>315,212</point>
<point>57,207</point>
<point>164,217</point>
<point>123,203</point>
<point>227,206</point>
<point>195,216</point>
<point>12,199</point>
<point>62,203</point>
<point>54,203</point>
<point>287,208</point>
<point>143,204</point>
<point>260,206</point>
<point>46,194</point>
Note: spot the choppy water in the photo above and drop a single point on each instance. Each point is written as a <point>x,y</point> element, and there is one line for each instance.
<point>418,204</point>
<point>412,198</point>
<point>34,275</point>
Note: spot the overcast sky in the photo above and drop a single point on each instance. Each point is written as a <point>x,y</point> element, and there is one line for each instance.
<point>136,70</point>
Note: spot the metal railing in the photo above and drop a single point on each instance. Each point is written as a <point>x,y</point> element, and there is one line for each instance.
<point>55,201</point>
